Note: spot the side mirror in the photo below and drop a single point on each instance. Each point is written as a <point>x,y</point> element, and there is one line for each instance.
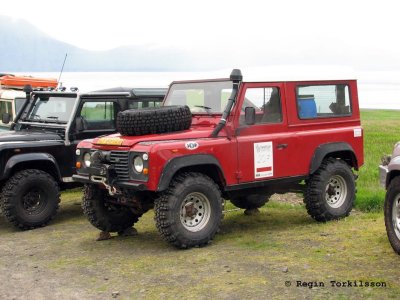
<point>250,115</point>
<point>6,118</point>
<point>79,125</point>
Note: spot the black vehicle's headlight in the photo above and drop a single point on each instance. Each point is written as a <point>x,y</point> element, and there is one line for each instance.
<point>86,159</point>
<point>138,164</point>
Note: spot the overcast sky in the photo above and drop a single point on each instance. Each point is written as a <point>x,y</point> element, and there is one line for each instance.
<point>359,34</point>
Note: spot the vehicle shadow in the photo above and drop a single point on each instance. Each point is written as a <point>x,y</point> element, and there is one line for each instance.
<point>69,212</point>
<point>233,225</point>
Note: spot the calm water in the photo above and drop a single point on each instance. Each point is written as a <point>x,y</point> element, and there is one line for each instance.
<point>375,89</point>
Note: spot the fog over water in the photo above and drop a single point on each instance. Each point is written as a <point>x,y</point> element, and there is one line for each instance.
<point>375,89</point>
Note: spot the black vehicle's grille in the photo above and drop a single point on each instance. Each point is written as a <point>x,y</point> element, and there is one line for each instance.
<point>120,160</point>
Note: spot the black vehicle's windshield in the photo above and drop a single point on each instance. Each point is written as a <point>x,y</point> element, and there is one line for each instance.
<point>51,109</point>
<point>208,97</point>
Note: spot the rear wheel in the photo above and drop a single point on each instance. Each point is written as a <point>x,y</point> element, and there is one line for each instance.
<point>189,212</point>
<point>30,199</point>
<point>392,214</point>
<point>330,191</point>
<point>105,215</point>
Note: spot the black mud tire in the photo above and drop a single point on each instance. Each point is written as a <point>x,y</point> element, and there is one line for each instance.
<point>330,191</point>
<point>103,215</point>
<point>393,199</point>
<point>250,201</point>
<point>154,120</point>
<point>30,199</point>
<point>189,188</point>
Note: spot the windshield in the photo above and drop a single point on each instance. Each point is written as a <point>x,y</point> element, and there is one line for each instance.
<point>201,97</point>
<point>51,109</point>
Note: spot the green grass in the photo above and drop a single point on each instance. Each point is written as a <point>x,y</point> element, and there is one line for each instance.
<point>381,132</point>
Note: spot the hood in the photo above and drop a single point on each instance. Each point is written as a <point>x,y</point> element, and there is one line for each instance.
<point>129,141</point>
<point>28,136</point>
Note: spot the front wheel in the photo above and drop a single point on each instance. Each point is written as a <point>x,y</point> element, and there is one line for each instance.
<point>105,215</point>
<point>392,214</point>
<point>30,199</point>
<point>189,212</point>
<point>330,191</point>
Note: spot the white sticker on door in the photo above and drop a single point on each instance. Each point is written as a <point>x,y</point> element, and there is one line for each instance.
<point>263,160</point>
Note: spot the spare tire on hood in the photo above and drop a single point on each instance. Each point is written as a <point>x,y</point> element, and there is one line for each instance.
<point>154,120</point>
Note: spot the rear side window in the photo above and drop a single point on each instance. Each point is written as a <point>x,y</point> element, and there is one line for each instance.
<point>323,101</point>
<point>144,104</point>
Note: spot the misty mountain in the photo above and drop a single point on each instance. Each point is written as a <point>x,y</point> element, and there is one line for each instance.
<point>23,47</point>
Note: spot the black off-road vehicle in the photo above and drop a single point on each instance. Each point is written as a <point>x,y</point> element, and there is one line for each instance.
<point>37,156</point>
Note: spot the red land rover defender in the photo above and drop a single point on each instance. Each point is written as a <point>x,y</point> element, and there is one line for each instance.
<point>225,139</point>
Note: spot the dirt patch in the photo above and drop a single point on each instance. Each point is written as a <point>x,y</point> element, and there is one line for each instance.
<point>261,256</point>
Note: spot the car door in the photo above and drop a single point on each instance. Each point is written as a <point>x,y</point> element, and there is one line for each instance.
<point>263,147</point>
<point>98,117</point>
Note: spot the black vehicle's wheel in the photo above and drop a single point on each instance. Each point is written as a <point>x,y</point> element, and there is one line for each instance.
<point>250,201</point>
<point>392,214</point>
<point>154,120</point>
<point>30,199</point>
<point>189,212</point>
<point>104,215</point>
<point>330,191</point>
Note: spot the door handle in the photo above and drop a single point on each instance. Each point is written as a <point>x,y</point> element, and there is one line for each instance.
<point>282,146</point>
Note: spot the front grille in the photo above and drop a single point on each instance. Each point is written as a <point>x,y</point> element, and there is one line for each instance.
<point>120,160</point>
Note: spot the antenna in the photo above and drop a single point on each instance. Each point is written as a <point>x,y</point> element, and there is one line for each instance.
<point>62,68</point>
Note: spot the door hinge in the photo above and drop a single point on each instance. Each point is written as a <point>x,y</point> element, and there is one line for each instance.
<point>238,175</point>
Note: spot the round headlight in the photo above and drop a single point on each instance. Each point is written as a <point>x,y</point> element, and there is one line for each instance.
<point>138,164</point>
<point>78,151</point>
<point>86,159</point>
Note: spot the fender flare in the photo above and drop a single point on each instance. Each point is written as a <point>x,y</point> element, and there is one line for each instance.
<point>176,164</point>
<point>29,157</point>
<point>323,150</point>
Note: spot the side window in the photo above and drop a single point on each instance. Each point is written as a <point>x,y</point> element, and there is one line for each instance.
<point>98,115</point>
<point>323,101</point>
<point>144,104</point>
<point>6,107</point>
<point>267,103</point>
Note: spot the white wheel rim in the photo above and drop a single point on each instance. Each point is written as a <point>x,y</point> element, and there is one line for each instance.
<point>396,216</point>
<point>336,191</point>
<point>195,212</point>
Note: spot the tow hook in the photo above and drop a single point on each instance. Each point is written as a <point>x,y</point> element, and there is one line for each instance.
<point>111,189</point>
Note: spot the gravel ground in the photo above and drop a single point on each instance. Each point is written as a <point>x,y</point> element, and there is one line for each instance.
<point>253,257</point>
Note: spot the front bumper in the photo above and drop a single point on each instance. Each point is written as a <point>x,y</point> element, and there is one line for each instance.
<point>383,171</point>
<point>87,179</point>
<point>105,175</point>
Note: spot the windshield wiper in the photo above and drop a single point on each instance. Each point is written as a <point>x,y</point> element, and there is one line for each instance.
<point>206,108</point>
<point>34,117</point>
<point>54,119</point>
